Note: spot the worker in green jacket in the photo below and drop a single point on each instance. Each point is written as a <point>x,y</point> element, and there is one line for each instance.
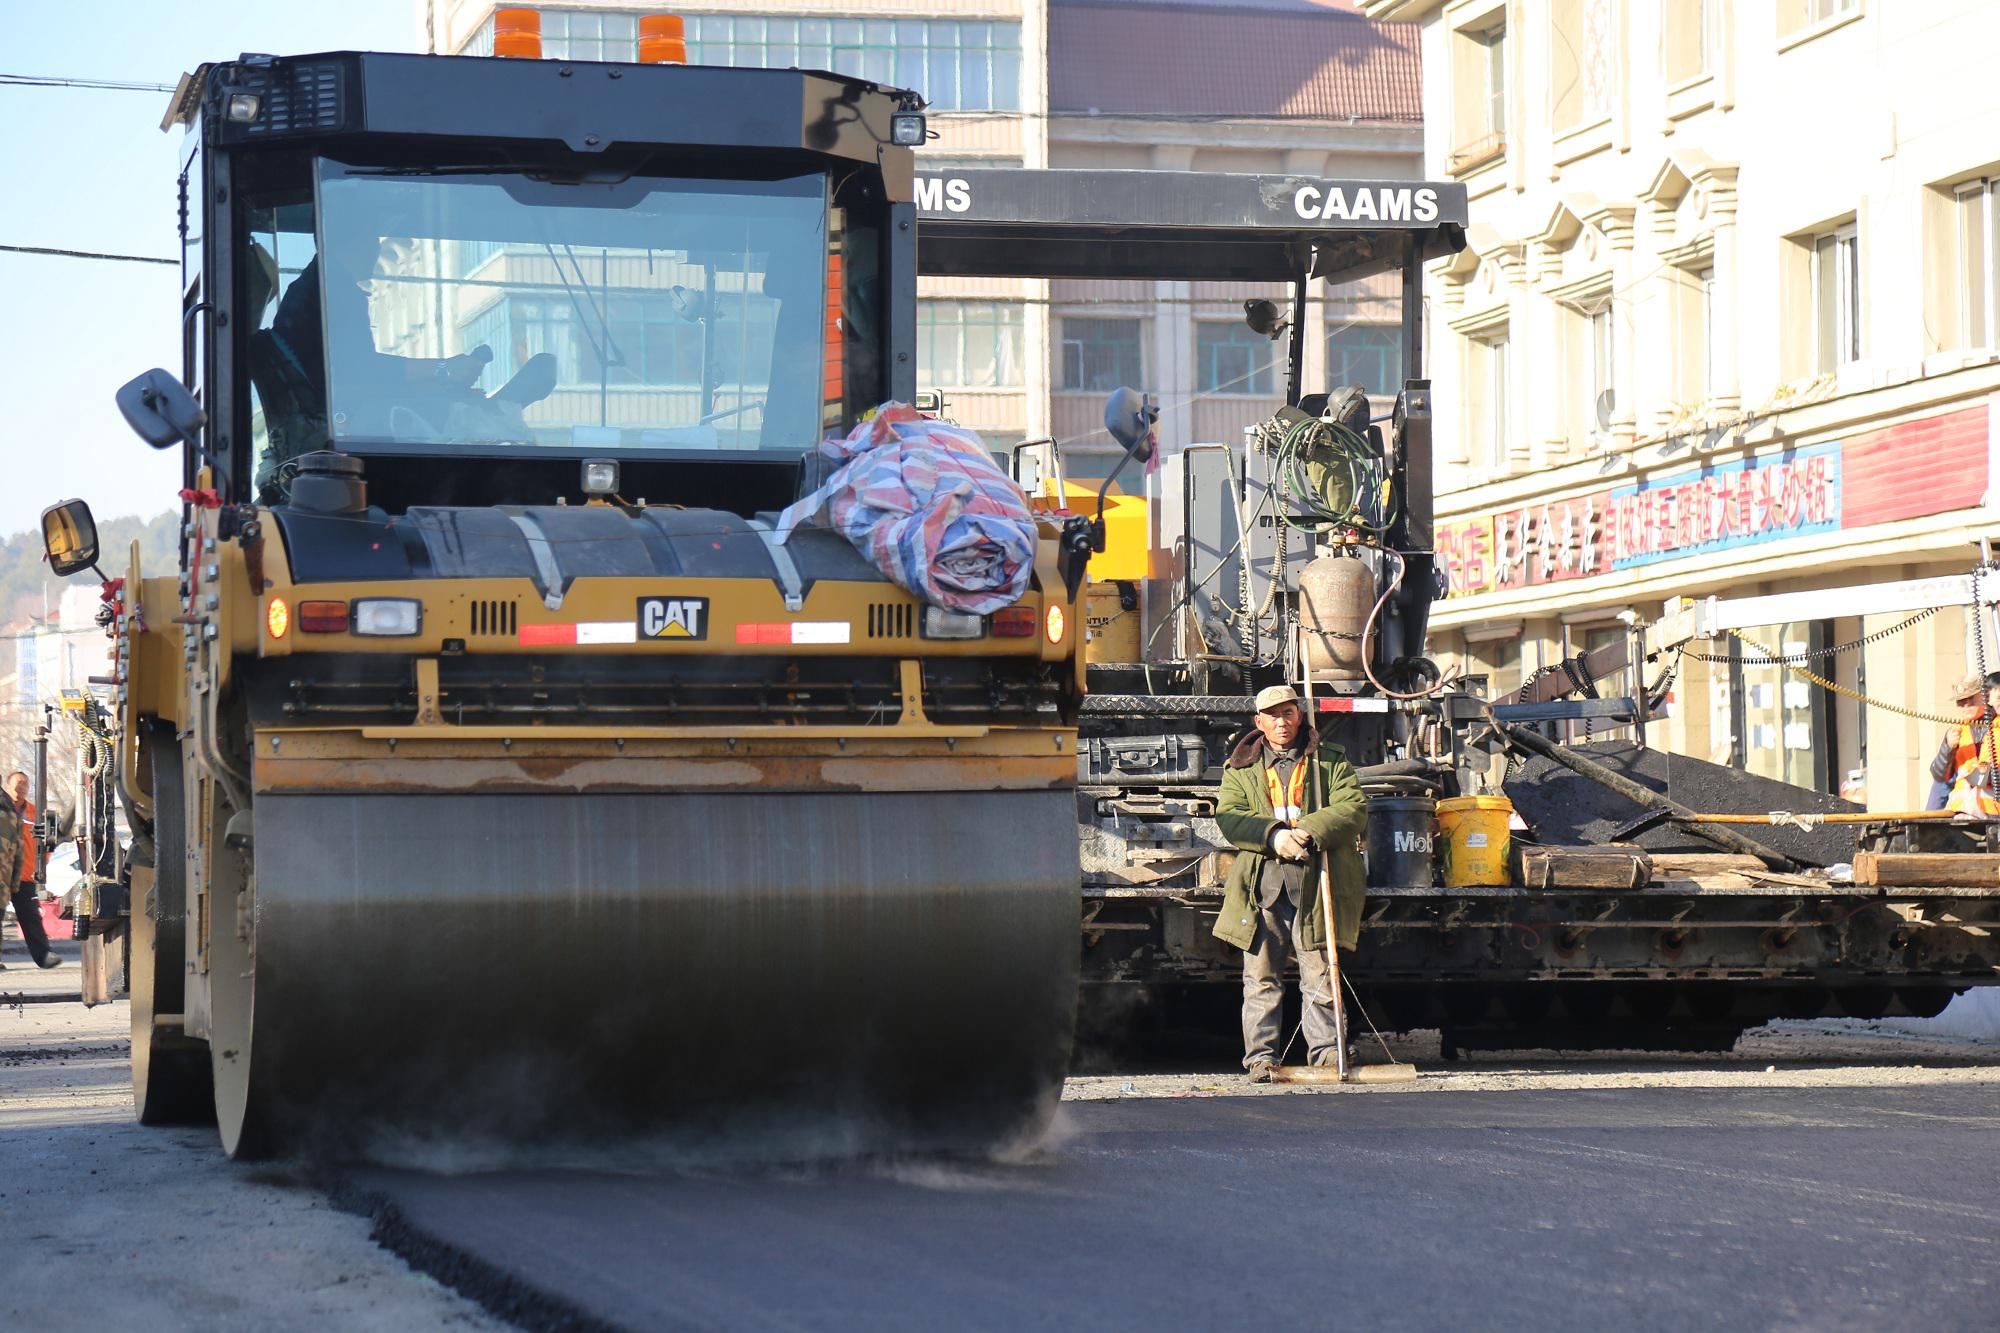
<point>1282,821</point>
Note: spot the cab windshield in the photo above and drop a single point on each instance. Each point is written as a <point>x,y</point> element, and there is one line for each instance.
<point>409,311</point>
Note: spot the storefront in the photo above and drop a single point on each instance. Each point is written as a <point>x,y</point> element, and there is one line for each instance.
<point>1545,567</point>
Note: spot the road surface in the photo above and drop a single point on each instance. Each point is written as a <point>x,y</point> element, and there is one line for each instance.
<point>1821,1177</point>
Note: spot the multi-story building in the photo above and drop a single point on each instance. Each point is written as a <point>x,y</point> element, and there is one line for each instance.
<point>1304,86</point>
<point>1727,324</point>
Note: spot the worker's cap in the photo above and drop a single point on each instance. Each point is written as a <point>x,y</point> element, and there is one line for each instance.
<point>1273,695</point>
<point>1969,688</point>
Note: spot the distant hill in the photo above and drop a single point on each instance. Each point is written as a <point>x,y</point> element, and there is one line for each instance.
<point>27,587</point>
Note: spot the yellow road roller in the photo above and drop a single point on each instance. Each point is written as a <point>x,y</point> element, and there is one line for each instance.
<point>500,773</point>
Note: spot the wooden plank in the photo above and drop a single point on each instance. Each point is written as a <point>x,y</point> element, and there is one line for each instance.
<point>1673,865</point>
<point>1928,869</point>
<point>1606,867</point>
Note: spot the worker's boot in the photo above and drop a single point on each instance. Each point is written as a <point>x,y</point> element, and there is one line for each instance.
<point>1260,1072</point>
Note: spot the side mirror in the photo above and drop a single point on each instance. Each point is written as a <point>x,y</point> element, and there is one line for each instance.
<point>1264,318</point>
<point>160,410</point>
<point>69,536</point>
<point>1129,416</point>
<point>692,307</point>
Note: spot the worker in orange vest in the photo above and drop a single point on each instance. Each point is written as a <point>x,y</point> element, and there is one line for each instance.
<point>1969,752</point>
<point>17,809</point>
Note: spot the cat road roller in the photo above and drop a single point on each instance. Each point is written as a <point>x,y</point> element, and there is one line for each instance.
<point>497,774</point>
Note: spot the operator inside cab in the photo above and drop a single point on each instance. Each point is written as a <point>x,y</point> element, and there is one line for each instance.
<point>401,310</point>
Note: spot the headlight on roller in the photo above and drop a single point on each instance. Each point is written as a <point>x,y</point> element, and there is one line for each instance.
<point>942,624</point>
<point>388,617</point>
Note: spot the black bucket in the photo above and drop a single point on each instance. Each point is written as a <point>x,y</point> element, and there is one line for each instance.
<point>1402,842</point>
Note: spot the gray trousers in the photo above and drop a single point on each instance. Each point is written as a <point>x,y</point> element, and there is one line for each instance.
<point>1264,990</point>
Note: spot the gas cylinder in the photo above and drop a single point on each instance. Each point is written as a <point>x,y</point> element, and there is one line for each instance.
<point>1335,594</point>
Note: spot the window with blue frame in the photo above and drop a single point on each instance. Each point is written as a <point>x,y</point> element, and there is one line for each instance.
<point>570,34</point>
<point>1231,358</point>
<point>1101,354</point>
<point>1370,355</point>
<point>957,64</point>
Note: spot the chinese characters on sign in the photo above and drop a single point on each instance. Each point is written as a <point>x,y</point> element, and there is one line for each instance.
<point>1691,513</point>
<point>1563,539</point>
<point>1737,504</point>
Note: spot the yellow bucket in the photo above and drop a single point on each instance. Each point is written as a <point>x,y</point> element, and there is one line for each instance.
<point>1476,840</point>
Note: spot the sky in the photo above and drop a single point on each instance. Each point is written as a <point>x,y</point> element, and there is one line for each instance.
<point>90,170</point>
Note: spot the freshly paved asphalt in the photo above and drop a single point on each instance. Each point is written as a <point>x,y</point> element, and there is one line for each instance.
<point>1820,1209</point>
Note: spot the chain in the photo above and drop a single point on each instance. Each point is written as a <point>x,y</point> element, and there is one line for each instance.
<point>1839,689</point>
<point>1800,659</point>
<point>1985,695</point>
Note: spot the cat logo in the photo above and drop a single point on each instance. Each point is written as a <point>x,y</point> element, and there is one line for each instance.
<point>673,617</point>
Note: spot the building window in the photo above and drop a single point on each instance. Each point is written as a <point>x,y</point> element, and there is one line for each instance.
<point>1976,218</point>
<point>573,35</point>
<point>1486,399</point>
<point>1603,378</point>
<point>969,344</point>
<point>1779,720</point>
<point>1230,358</point>
<point>1370,355</point>
<point>1690,38</point>
<point>569,34</point>
<point>1581,52</point>
<point>1493,69</point>
<point>1479,128</point>
<point>1691,306</point>
<point>958,65</point>
<point>1705,281</point>
<point>1101,354</point>
<point>1836,298</point>
<point>1805,13</point>
<point>1802,20</point>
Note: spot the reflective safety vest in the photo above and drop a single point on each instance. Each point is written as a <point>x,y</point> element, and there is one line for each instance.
<point>1289,804</point>
<point>1969,796</point>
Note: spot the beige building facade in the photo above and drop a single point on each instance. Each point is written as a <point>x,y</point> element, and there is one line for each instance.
<point>1726,326</point>
<point>1097,84</point>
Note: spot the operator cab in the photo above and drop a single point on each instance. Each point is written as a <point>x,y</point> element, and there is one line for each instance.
<point>421,261</point>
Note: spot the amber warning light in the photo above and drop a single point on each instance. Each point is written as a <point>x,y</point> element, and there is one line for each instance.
<point>662,40</point>
<point>517,33</point>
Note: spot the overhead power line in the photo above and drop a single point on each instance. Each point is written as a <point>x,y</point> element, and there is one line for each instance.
<point>102,85</point>
<point>84,254</point>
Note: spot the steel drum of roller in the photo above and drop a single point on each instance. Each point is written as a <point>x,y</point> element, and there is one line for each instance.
<point>803,973</point>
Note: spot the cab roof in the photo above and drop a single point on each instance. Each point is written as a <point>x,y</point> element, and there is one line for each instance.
<point>1187,225</point>
<point>588,107</point>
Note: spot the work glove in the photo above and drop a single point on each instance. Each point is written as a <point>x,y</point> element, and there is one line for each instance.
<point>1291,844</point>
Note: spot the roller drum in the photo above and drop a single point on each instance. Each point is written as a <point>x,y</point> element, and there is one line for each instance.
<point>794,974</point>
<point>1335,594</point>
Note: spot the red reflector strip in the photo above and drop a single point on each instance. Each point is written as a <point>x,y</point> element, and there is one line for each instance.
<point>1016,622</point>
<point>796,632</point>
<point>1352,705</point>
<point>597,631</point>
<point>323,617</point>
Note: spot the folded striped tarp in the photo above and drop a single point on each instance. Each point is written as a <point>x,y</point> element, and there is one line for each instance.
<point>928,506</point>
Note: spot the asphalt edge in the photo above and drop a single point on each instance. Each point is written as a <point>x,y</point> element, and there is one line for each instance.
<point>492,1289</point>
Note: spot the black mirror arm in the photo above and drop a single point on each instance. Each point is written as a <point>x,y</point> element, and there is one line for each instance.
<point>1103,492</point>
<point>1080,536</point>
